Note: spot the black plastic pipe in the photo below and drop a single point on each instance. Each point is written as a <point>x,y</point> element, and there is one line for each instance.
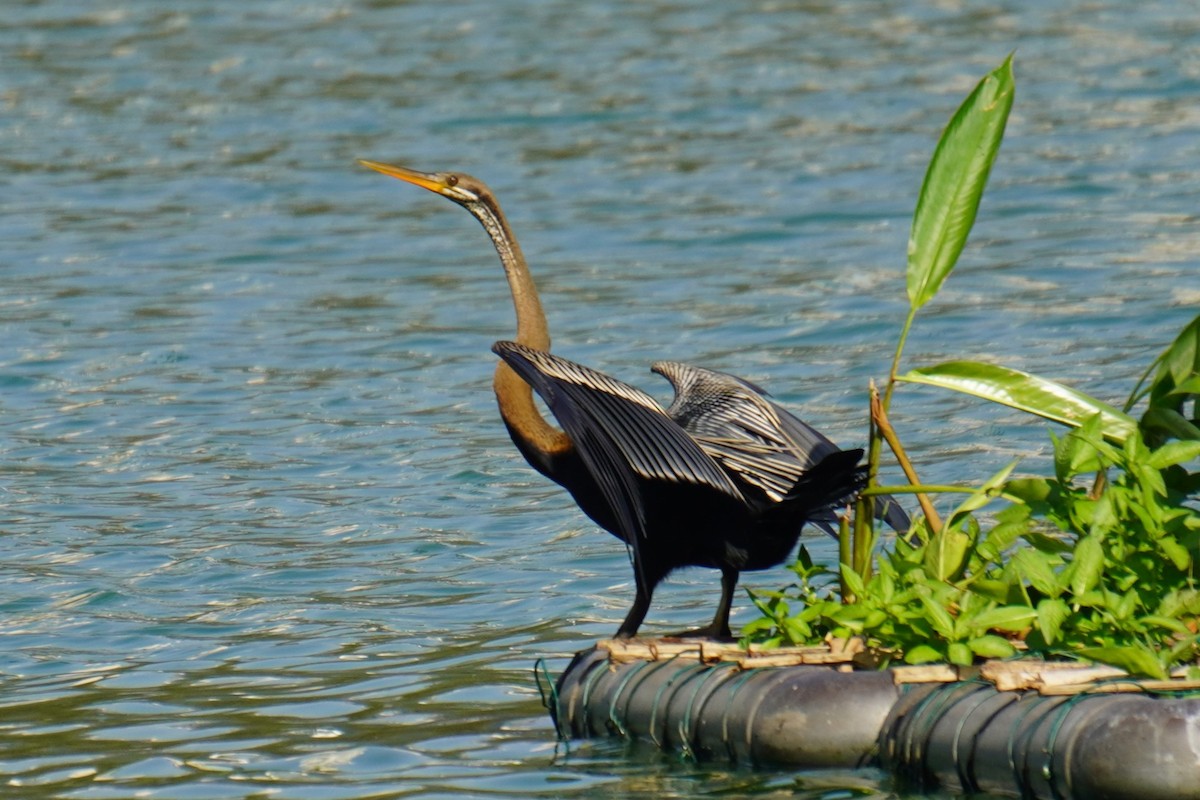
<point>961,737</point>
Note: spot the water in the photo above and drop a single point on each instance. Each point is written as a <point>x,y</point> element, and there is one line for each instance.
<point>264,535</point>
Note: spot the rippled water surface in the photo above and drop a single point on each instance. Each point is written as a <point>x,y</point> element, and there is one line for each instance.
<point>264,535</point>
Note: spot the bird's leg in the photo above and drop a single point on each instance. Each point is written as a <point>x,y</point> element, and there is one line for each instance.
<point>719,627</point>
<point>720,622</point>
<point>637,612</point>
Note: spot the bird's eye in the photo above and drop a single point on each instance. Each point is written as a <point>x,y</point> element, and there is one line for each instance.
<point>452,180</point>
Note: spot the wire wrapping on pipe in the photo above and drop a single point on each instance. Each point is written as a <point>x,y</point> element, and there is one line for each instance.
<point>686,733</point>
<point>1034,703</point>
<point>549,694</point>
<point>585,706</point>
<point>614,720</point>
<point>919,727</point>
<point>737,685</point>
<point>1056,725</point>
<point>988,701</point>
<point>686,674</point>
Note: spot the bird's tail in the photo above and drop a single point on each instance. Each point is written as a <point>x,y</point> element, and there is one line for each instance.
<point>888,510</point>
<point>832,480</point>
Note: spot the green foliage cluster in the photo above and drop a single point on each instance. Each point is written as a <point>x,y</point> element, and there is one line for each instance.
<point>1103,570</point>
<point>1097,561</point>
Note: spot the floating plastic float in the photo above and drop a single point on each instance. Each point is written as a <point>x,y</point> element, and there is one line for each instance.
<point>1020,728</point>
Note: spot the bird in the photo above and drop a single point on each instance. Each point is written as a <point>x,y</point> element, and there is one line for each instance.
<point>722,478</point>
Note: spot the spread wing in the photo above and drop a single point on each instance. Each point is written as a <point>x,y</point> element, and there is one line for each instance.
<point>763,443</point>
<point>623,436</point>
<point>738,426</point>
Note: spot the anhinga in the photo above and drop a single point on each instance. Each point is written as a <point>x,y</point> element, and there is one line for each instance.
<point>723,478</point>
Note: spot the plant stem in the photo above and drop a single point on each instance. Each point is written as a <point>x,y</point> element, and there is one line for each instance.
<point>918,488</point>
<point>844,557</point>
<point>1134,395</point>
<point>879,421</point>
<point>864,510</point>
<point>895,369</point>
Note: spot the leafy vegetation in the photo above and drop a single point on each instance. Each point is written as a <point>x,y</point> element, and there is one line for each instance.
<point>1097,561</point>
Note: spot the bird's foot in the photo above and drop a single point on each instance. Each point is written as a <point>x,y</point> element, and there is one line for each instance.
<point>709,632</point>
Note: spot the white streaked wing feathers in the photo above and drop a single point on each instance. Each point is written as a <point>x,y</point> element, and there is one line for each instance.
<point>589,404</point>
<point>743,430</point>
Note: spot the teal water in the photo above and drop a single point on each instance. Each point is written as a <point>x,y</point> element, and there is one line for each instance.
<point>263,533</point>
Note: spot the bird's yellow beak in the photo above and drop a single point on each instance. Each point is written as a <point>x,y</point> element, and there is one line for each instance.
<point>425,180</point>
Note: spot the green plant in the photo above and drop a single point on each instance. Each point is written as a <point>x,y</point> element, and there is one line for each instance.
<point>1063,570</point>
<point>946,208</point>
<point>1097,561</point>
<point>937,598</point>
<point>1119,584</point>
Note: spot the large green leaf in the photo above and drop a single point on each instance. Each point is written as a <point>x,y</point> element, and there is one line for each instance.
<point>954,183</point>
<point>1026,392</point>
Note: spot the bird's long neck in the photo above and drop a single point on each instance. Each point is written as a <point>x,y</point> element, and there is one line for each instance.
<point>538,439</point>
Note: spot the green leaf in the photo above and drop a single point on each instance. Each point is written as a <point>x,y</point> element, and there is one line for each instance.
<point>1177,553</point>
<point>992,646</point>
<point>960,653</point>
<point>1169,623</point>
<point>922,654</point>
<point>875,618</point>
<point>1048,544</point>
<point>1083,449</point>
<point>1025,392</point>
<point>1052,612</point>
<point>1178,364</point>
<point>1034,567</point>
<point>1169,422</point>
<point>804,560</point>
<point>849,617</point>
<point>854,581</point>
<point>1184,649</point>
<point>1173,453</point>
<point>1187,387</point>
<point>1092,599</point>
<point>1001,537</point>
<point>1124,607</point>
<point>1030,490</point>
<point>796,631</point>
<point>946,552</point>
<point>1134,659</point>
<point>954,183</point>
<point>1180,602</point>
<point>1004,618</point>
<point>990,589</point>
<point>756,625</point>
<point>985,493</point>
<point>938,617</point>
<point>1088,564</point>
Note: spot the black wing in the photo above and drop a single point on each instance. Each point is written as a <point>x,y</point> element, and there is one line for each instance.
<point>738,426</point>
<point>623,436</point>
<point>764,443</point>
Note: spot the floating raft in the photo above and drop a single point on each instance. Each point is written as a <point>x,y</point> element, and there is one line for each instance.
<point>1027,729</point>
